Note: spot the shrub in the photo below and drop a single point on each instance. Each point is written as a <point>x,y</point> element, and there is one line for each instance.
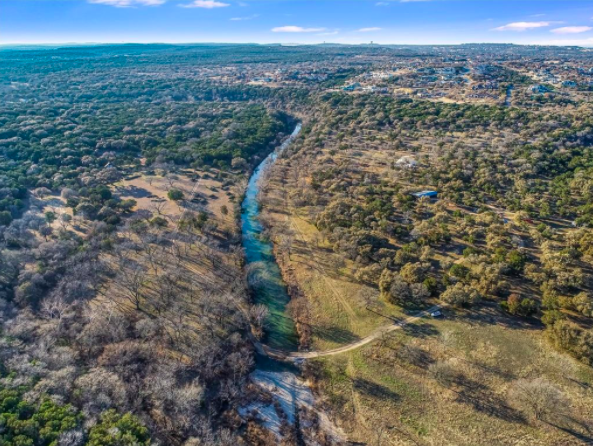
<point>118,430</point>
<point>516,260</point>
<point>460,295</point>
<point>50,217</point>
<point>368,274</point>
<point>25,423</point>
<point>459,271</point>
<point>413,272</point>
<point>159,222</point>
<point>5,218</point>
<point>519,307</point>
<point>569,337</point>
<point>431,285</point>
<point>394,289</point>
<point>551,316</point>
<point>175,195</point>
<point>583,303</point>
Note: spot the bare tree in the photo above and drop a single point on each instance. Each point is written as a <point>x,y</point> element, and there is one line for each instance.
<point>132,280</point>
<point>158,206</point>
<point>538,399</point>
<point>258,315</point>
<point>54,307</point>
<point>285,244</point>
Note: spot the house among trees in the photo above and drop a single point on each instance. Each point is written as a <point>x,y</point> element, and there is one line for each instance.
<point>351,87</point>
<point>425,193</point>
<point>407,161</point>
<point>539,89</point>
<point>517,241</point>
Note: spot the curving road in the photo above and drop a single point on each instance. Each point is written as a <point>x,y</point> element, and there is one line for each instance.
<point>296,356</point>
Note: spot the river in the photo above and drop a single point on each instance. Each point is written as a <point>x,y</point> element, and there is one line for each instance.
<point>280,379</point>
<point>268,287</point>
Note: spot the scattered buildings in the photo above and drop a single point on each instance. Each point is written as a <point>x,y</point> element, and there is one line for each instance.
<point>351,87</point>
<point>407,162</point>
<point>426,193</point>
<point>538,89</point>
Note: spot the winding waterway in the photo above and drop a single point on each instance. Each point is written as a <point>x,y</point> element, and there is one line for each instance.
<point>268,287</point>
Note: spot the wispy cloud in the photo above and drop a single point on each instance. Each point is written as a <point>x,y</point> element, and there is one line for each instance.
<point>369,30</point>
<point>329,33</point>
<point>128,3</point>
<point>249,17</point>
<point>382,4</point>
<point>571,30</point>
<point>522,26</point>
<point>297,29</point>
<point>206,4</point>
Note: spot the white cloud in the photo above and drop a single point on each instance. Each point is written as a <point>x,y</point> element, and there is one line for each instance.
<point>522,26</point>
<point>329,33</point>
<point>206,4</point>
<point>572,29</point>
<point>249,17</point>
<point>296,29</point>
<point>369,30</point>
<point>128,3</point>
<point>382,4</point>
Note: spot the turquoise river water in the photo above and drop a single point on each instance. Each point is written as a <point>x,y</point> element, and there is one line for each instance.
<point>267,285</point>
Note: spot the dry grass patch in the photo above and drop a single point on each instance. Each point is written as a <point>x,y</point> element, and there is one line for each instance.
<point>451,385</point>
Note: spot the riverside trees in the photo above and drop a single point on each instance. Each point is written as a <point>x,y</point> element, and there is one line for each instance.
<point>124,323</point>
<point>511,212</point>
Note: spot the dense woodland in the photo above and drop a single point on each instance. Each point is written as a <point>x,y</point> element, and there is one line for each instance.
<point>109,335</point>
<point>507,239</point>
<point>124,323</point>
<point>513,209</point>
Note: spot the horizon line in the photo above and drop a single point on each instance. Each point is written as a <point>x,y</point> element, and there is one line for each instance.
<point>372,43</point>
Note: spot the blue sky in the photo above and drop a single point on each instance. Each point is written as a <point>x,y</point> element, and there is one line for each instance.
<point>558,22</point>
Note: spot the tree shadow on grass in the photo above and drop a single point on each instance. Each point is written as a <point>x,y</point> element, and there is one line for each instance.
<point>335,334</point>
<point>581,384</point>
<point>586,437</point>
<point>420,330</point>
<point>374,390</point>
<point>135,192</point>
<point>415,356</point>
<point>483,400</point>
<point>489,313</point>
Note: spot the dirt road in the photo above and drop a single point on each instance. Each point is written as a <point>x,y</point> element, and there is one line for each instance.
<point>295,356</point>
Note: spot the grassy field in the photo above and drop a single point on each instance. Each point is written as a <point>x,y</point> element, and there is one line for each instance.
<point>338,304</point>
<point>200,262</point>
<point>150,193</point>
<point>385,393</point>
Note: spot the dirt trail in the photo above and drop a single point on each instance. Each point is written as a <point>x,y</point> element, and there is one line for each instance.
<point>295,356</point>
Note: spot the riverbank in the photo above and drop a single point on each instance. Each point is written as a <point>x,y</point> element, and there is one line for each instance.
<point>293,415</point>
<point>264,275</point>
<point>299,308</point>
